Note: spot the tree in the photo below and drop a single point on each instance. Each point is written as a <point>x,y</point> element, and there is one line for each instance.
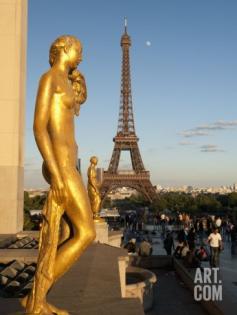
<point>107,203</point>
<point>28,224</point>
<point>232,199</point>
<point>36,202</point>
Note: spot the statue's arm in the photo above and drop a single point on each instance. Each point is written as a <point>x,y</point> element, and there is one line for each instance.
<point>41,119</point>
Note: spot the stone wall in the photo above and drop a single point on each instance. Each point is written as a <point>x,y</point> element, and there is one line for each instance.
<point>13,38</point>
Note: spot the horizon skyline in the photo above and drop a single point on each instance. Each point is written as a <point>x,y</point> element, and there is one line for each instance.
<point>198,148</point>
<point>163,186</point>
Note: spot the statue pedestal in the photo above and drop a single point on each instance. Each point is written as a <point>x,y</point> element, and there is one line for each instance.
<point>102,232</point>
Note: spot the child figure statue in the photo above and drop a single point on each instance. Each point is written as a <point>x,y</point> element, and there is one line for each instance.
<point>93,190</point>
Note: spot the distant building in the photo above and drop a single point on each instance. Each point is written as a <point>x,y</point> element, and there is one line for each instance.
<point>104,213</point>
<point>197,190</point>
<point>121,193</point>
<point>234,187</point>
<point>158,188</point>
<point>36,192</point>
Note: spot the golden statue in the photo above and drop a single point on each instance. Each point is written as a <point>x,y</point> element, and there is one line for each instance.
<point>93,190</point>
<point>61,92</point>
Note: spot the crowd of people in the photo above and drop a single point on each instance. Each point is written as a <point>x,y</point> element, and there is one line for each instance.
<point>201,239</point>
<point>144,249</point>
<point>191,239</point>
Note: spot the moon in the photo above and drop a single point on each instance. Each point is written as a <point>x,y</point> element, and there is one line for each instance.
<point>148,43</point>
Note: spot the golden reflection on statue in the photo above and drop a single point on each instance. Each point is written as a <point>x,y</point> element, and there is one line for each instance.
<point>93,190</point>
<point>61,92</point>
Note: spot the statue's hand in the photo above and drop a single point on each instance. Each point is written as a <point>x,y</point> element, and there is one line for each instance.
<point>58,190</point>
<point>79,86</point>
<point>77,109</point>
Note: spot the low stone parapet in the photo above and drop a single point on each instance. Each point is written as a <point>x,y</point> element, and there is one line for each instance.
<point>139,284</point>
<point>152,262</point>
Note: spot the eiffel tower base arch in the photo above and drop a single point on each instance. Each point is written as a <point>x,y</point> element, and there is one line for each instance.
<point>140,182</point>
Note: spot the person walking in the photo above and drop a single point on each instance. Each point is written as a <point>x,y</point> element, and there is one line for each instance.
<point>228,231</point>
<point>215,241</point>
<point>201,232</point>
<point>191,238</point>
<point>233,236</point>
<point>169,243</point>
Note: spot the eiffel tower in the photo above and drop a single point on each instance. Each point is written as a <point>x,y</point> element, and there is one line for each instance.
<point>126,139</point>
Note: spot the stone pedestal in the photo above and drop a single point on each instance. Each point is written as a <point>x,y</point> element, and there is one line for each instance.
<point>102,232</point>
<point>13,35</point>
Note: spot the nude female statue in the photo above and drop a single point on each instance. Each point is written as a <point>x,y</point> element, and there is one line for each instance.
<point>61,92</point>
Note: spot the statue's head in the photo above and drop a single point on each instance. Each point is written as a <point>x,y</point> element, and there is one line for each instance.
<point>94,160</point>
<point>67,46</point>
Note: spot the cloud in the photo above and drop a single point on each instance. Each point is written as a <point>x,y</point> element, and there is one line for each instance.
<point>210,148</point>
<point>219,125</point>
<point>204,130</point>
<point>193,132</point>
<point>186,143</point>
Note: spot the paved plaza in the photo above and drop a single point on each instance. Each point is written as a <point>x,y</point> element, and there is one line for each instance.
<point>228,265</point>
<point>228,275</point>
<point>172,297</point>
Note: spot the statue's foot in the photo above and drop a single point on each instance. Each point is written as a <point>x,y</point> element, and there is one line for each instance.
<point>41,313</point>
<point>44,308</point>
<point>57,311</point>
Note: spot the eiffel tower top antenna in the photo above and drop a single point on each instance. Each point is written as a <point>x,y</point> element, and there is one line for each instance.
<point>125,25</point>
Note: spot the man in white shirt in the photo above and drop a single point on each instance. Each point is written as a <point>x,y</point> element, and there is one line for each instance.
<point>215,241</point>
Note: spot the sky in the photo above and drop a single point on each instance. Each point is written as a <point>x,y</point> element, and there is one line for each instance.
<point>184,84</point>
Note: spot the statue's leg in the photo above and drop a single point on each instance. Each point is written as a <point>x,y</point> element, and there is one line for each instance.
<point>35,302</point>
<point>65,230</point>
<point>79,213</point>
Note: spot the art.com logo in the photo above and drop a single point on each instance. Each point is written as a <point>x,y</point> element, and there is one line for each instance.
<point>207,285</point>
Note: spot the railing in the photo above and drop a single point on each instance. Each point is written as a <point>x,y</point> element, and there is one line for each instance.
<point>126,172</point>
<point>119,177</point>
